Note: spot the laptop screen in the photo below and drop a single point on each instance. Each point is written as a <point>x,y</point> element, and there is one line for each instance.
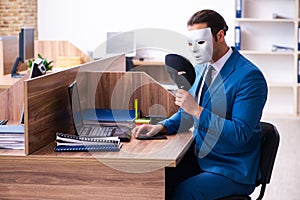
<point>122,132</point>
<point>75,105</point>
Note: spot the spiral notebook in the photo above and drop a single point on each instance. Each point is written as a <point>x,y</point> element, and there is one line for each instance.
<point>95,147</point>
<point>66,142</point>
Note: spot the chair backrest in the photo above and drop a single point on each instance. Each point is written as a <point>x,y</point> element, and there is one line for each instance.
<point>269,147</point>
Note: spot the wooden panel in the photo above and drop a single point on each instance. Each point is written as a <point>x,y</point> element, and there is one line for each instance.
<point>9,51</point>
<point>34,177</point>
<point>114,63</point>
<point>47,108</point>
<point>138,62</point>
<point>6,81</point>
<point>1,59</point>
<point>12,101</point>
<point>158,72</point>
<point>118,91</point>
<point>52,50</point>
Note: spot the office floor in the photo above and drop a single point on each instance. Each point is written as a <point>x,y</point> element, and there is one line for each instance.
<point>285,180</point>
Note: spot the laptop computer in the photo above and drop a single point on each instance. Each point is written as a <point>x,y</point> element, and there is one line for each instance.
<point>93,128</point>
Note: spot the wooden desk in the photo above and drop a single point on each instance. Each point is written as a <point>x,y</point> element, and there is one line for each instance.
<point>136,172</point>
<point>6,81</point>
<point>147,62</point>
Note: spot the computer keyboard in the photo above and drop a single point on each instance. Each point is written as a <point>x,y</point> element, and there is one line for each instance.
<point>3,121</point>
<point>102,131</point>
<point>97,131</point>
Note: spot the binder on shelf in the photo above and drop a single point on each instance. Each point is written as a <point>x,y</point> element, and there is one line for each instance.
<point>277,16</point>
<point>237,38</point>
<point>238,8</point>
<point>299,38</point>
<point>281,48</point>
<point>298,70</point>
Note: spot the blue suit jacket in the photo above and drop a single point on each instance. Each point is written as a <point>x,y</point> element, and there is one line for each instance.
<point>228,132</point>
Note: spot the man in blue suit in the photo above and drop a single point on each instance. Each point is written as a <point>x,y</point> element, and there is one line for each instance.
<point>225,158</point>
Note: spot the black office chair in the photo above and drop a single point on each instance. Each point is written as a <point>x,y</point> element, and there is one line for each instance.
<point>269,146</point>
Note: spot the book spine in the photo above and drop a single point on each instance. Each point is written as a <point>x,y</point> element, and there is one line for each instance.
<point>237,38</point>
<point>238,8</point>
<point>298,70</point>
<point>87,148</point>
<point>298,37</point>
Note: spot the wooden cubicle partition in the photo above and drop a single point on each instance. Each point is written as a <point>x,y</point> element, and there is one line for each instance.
<point>12,101</point>
<point>47,107</point>
<point>46,102</point>
<point>51,50</point>
<point>9,51</point>
<point>118,90</point>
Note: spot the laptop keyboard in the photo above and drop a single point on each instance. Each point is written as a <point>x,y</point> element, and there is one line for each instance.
<point>97,131</point>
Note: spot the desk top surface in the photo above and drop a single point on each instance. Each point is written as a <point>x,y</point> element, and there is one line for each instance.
<point>147,62</point>
<point>6,81</point>
<point>134,155</point>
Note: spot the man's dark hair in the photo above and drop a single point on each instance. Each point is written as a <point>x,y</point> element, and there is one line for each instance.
<point>213,20</point>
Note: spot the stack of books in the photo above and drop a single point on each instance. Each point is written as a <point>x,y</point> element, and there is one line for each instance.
<point>12,137</point>
<point>67,142</point>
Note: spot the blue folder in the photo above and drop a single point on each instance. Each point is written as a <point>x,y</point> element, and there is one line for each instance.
<point>109,115</point>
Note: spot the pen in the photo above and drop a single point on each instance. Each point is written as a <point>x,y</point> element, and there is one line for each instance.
<point>136,104</point>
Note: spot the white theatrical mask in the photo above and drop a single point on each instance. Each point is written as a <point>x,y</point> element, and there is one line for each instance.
<point>201,45</point>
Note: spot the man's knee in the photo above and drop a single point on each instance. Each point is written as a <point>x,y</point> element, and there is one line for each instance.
<point>184,191</point>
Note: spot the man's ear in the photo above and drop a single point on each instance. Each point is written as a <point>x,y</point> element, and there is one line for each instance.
<point>220,36</point>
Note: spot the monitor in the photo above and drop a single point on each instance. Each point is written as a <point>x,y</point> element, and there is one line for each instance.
<point>121,42</point>
<point>26,49</point>
<point>26,44</point>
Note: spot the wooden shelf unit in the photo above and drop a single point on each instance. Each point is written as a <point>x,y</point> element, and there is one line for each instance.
<point>259,32</point>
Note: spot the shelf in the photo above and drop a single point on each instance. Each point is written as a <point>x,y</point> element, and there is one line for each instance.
<point>264,52</point>
<point>265,23</point>
<point>281,85</point>
<point>265,9</point>
<point>257,20</point>
<point>261,37</point>
<point>278,69</point>
<point>280,101</point>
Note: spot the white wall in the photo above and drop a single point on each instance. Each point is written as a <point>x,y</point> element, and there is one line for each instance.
<point>85,22</point>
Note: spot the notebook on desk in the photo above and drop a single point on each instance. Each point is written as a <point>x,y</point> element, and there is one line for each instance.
<point>93,128</point>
